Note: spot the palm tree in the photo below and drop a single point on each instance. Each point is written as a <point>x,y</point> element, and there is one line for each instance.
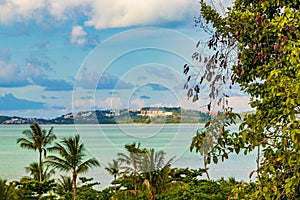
<point>33,170</point>
<point>114,169</point>
<point>132,160</point>
<point>202,143</point>
<point>37,139</point>
<point>155,171</point>
<point>71,158</point>
<point>64,186</point>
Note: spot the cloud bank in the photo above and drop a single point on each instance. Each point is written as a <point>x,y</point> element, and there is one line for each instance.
<point>10,102</point>
<point>98,13</point>
<point>102,81</point>
<point>13,75</point>
<point>123,13</point>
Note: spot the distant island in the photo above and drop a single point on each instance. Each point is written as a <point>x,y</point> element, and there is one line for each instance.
<point>146,115</point>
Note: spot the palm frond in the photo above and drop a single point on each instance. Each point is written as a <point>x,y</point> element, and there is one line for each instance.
<point>87,164</point>
<point>29,134</point>
<point>25,143</point>
<point>58,163</point>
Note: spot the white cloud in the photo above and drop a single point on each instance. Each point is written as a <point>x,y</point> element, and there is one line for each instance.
<point>11,75</point>
<point>100,13</point>
<point>32,71</point>
<point>122,13</point>
<point>78,36</point>
<point>103,13</point>
<point>20,10</point>
<point>62,10</point>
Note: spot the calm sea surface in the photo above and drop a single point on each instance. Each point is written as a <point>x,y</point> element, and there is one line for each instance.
<point>105,141</point>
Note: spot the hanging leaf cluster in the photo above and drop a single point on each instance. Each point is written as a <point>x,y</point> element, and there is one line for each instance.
<point>212,71</point>
<point>257,46</point>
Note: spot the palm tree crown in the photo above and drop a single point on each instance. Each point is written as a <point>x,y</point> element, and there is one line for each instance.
<point>114,169</point>
<point>202,143</point>
<point>37,139</point>
<point>155,171</point>
<point>71,158</point>
<point>132,161</point>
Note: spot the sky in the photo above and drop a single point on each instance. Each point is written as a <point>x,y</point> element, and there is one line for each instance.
<point>58,57</point>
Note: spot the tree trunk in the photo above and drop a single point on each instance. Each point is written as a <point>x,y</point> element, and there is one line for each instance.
<point>258,162</point>
<point>115,176</point>
<point>135,181</point>
<point>41,167</point>
<point>74,185</point>
<point>206,171</point>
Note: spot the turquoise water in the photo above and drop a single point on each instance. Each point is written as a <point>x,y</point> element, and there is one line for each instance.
<point>105,141</point>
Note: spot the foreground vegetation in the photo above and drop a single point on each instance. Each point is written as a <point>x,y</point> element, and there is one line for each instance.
<point>140,173</point>
<point>190,188</point>
<point>255,44</point>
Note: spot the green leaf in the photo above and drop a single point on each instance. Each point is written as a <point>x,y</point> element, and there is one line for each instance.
<point>215,159</point>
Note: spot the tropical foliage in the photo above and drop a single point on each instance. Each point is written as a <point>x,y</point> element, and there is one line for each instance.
<point>262,37</point>
<point>71,159</point>
<point>37,139</point>
<point>114,169</point>
<point>33,170</point>
<point>140,173</point>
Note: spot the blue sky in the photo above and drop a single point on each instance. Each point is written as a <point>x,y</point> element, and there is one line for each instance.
<point>62,56</point>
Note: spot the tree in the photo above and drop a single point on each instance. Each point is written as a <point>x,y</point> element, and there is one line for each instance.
<point>37,139</point>
<point>7,191</point>
<point>71,158</point>
<point>155,171</point>
<point>114,169</point>
<point>64,185</point>
<point>86,190</point>
<point>34,189</point>
<point>265,36</point>
<point>132,160</point>
<point>202,144</point>
<point>33,170</point>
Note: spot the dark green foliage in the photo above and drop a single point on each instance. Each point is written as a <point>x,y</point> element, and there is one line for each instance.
<point>186,175</point>
<point>64,186</point>
<point>265,36</point>
<point>33,189</point>
<point>86,190</point>
<point>196,189</point>
<point>145,169</point>
<point>202,189</point>
<point>8,191</point>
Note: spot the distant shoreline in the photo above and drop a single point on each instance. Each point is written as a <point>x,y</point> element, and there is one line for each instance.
<point>129,124</point>
<point>126,116</point>
<point>148,115</point>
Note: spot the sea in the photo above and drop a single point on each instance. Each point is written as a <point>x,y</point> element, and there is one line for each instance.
<point>104,142</point>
